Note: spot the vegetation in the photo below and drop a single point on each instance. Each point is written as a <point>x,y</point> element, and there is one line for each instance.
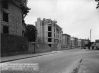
<point>31,33</point>
<point>97,4</point>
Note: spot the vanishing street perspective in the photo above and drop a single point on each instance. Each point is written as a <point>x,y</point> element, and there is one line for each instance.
<point>49,36</point>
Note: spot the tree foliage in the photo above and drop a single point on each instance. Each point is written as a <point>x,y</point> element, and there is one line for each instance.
<point>97,4</point>
<point>31,33</point>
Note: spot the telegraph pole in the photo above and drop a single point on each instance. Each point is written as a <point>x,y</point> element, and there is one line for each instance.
<point>90,34</point>
<point>90,37</point>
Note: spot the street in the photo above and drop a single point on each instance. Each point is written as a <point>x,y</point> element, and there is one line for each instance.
<point>60,62</point>
<point>49,36</point>
<point>90,63</point>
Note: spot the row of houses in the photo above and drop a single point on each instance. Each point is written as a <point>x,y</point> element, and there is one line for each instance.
<point>49,32</point>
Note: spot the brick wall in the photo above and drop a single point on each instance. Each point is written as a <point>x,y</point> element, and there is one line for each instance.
<point>11,44</point>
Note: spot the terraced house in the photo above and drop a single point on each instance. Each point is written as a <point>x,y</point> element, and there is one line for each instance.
<point>12,13</point>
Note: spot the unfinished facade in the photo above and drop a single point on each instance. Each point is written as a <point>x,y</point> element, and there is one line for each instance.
<point>49,32</point>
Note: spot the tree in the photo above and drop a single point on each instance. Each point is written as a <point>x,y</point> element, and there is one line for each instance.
<point>31,33</point>
<point>97,4</point>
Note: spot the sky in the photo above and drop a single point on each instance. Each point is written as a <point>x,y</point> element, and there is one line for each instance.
<point>76,17</point>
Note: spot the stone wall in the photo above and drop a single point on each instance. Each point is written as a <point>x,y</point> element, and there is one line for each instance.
<point>11,44</point>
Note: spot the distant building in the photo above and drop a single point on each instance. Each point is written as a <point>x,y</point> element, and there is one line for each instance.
<point>79,43</point>
<point>74,42</point>
<point>65,41</point>
<point>97,44</point>
<point>84,42</point>
<point>12,13</point>
<point>49,32</point>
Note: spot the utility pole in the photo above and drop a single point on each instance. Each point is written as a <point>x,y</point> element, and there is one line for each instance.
<point>90,34</point>
<point>90,38</point>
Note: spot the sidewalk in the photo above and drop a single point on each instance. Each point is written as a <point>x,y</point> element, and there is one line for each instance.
<point>90,64</point>
<point>17,57</point>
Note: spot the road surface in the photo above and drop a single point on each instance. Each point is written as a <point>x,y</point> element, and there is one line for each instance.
<point>90,63</point>
<point>60,62</point>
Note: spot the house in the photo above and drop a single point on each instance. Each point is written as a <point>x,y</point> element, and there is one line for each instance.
<point>12,14</point>
<point>12,25</point>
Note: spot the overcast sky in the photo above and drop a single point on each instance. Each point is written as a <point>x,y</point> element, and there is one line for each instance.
<point>76,17</point>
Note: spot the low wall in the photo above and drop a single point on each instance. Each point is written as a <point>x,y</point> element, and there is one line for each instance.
<point>42,47</point>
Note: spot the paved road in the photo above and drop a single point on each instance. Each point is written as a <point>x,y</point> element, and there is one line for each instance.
<point>60,62</point>
<point>90,63</point>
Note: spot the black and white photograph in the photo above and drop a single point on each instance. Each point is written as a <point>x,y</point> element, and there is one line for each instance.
<point>49,36</point>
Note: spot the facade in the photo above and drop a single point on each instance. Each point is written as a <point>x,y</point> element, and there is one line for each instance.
<point>74,42</point>
<point>79,43</point>
<point>65,41</point>
<point>97,44</point>
<point>86,41</point>
<point>49,32</point>
<point>12,26</point>
<point>82,43</point>
<point>12,13</point>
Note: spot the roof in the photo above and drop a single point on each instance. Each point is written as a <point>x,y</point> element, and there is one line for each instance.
<point>97,41</point>
<point>66,34</point>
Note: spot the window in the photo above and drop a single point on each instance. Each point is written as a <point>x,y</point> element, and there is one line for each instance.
<point>49,40</point>
<point>5,4</point>
<point>49,28</point>
<point>49,34</point>
<point>5,16</point>
<point>5,29</point>
<point>49,45</point>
